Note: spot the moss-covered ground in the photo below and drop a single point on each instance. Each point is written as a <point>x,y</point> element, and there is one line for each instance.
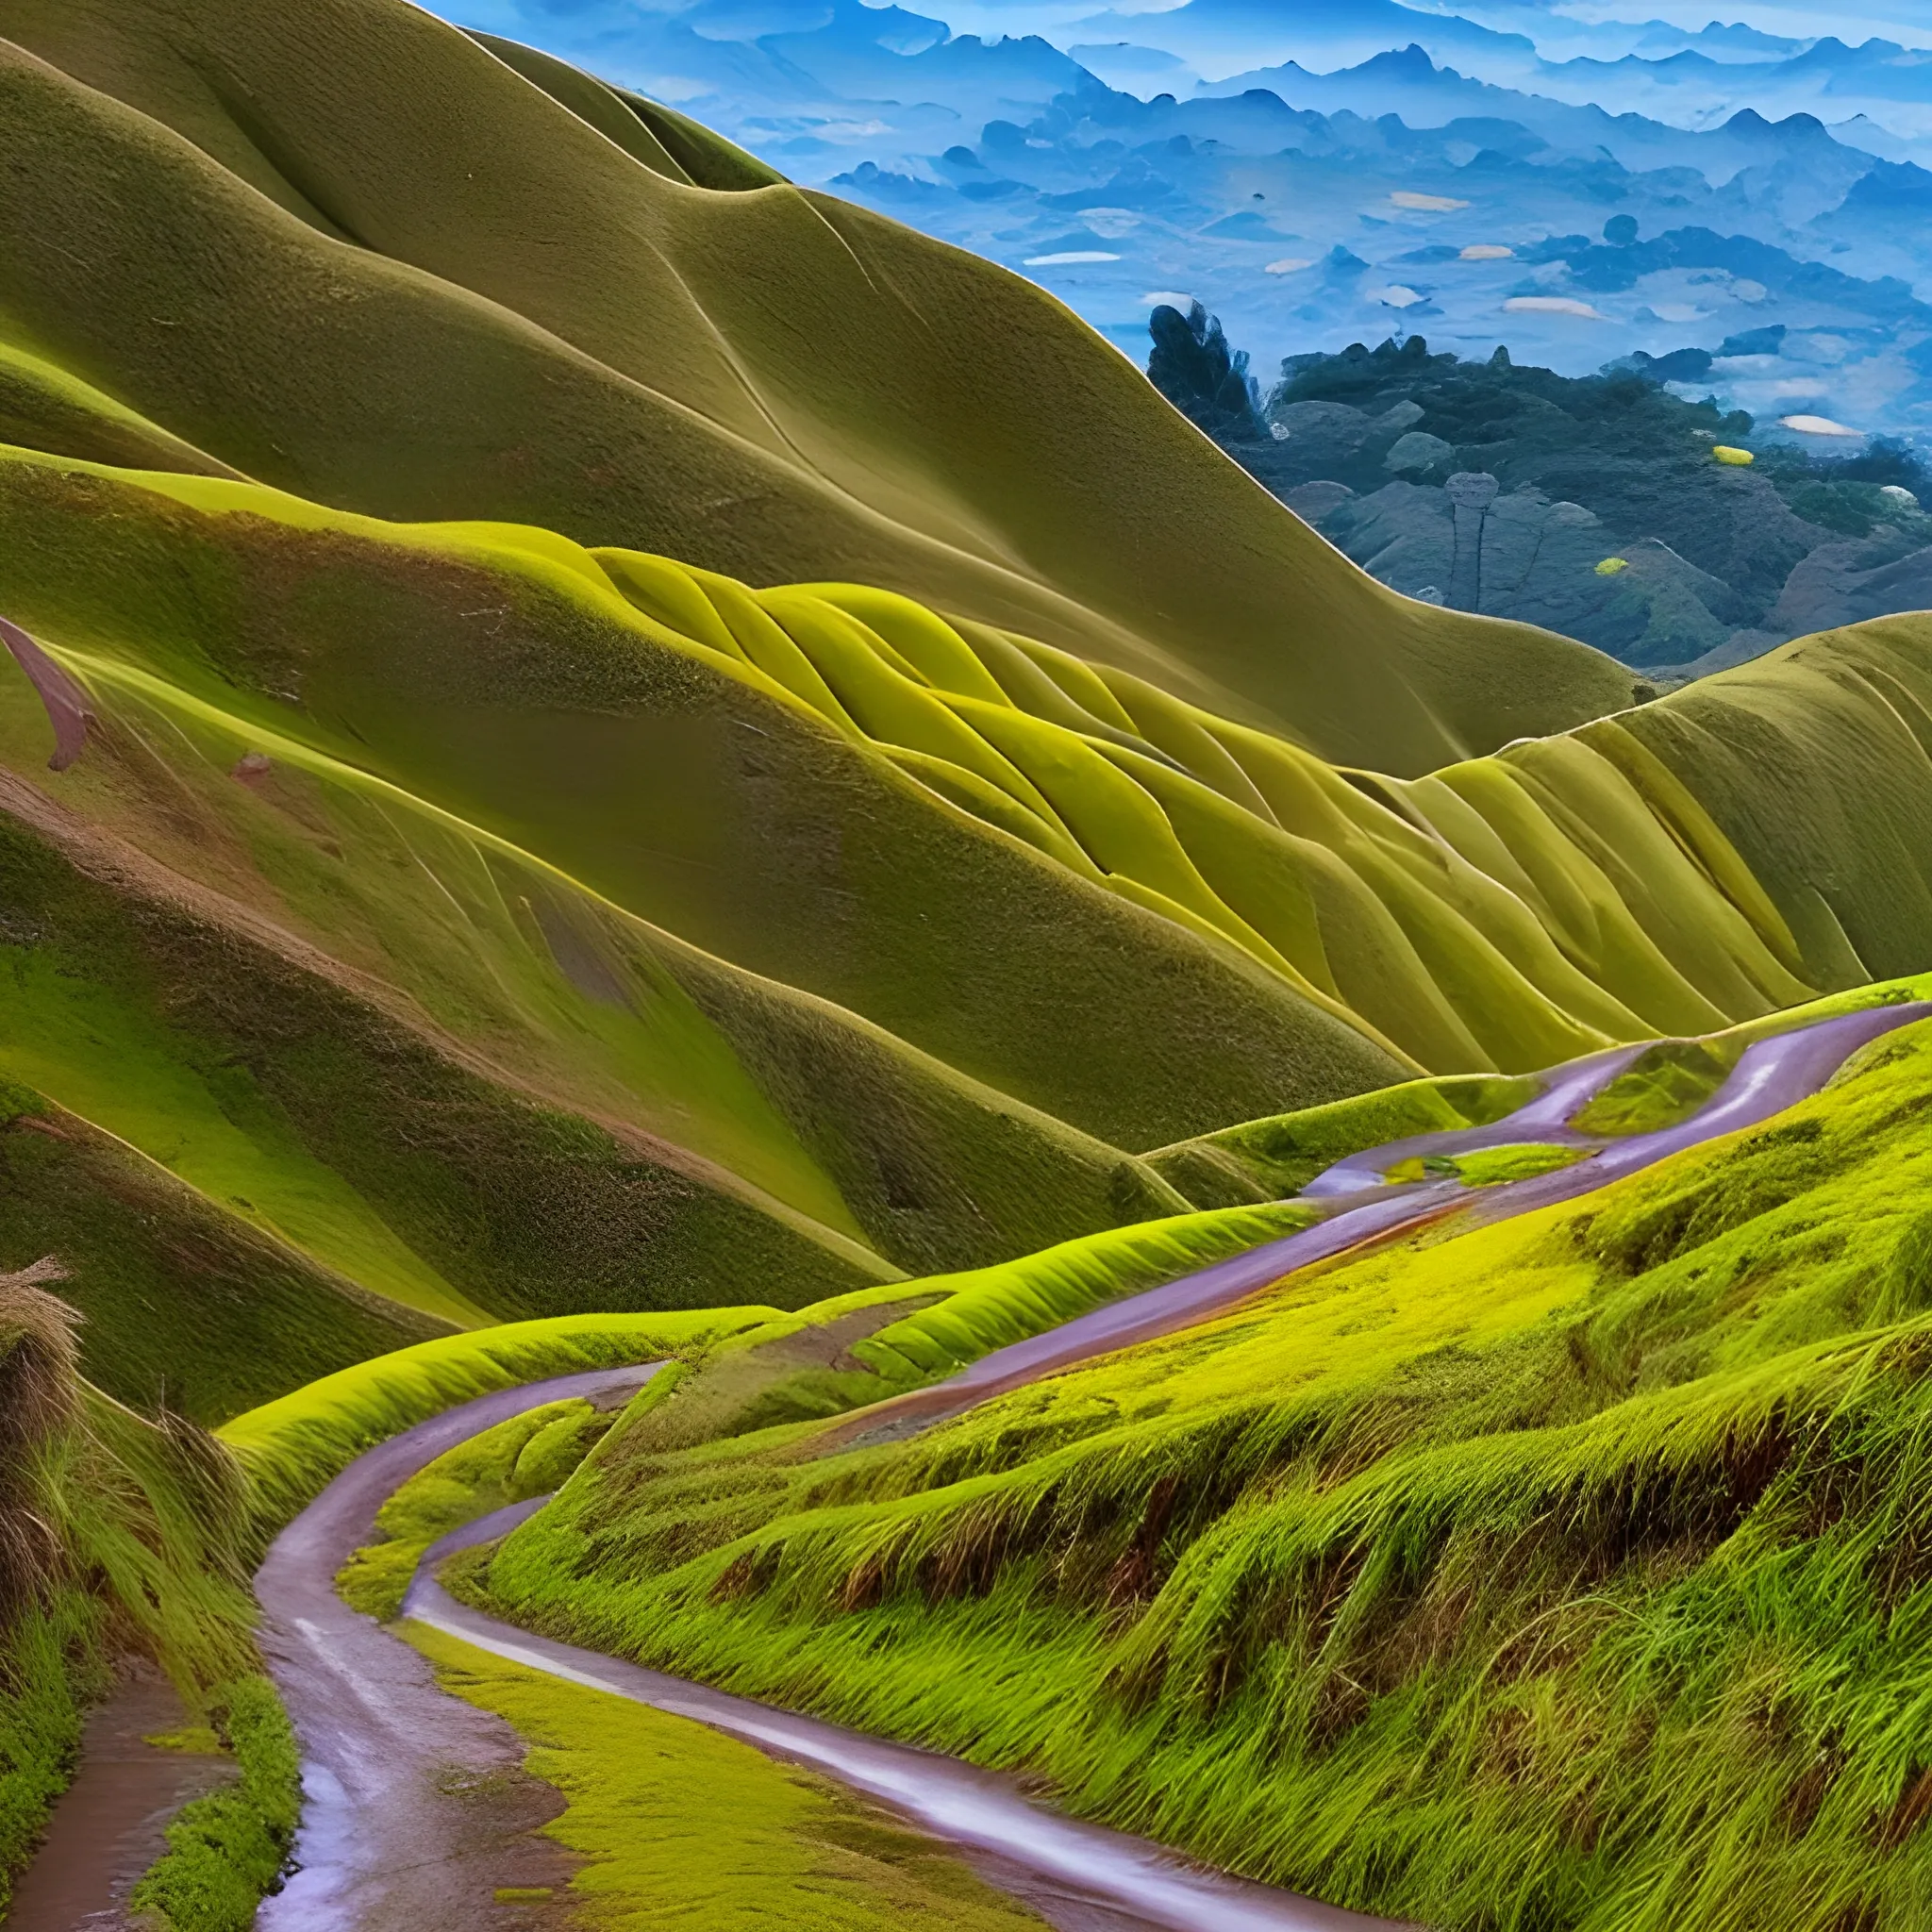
<point>679,1826</point>
<point>1558,1572</point>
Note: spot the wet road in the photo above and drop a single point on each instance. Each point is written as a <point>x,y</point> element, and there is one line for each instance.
<point>1771,1076</point>
<point>415,1808</point>
<point>1053,1862</point>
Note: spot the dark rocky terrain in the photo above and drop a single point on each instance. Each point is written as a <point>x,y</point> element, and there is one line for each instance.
<point>1596,505</point>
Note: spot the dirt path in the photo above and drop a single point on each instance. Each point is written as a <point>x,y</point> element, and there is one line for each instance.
<point>106,1827</point>
<point>1771,1076</point>
<point>416,1809</point>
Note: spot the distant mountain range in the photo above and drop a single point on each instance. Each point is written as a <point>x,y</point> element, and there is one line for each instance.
<point>1398,169</point>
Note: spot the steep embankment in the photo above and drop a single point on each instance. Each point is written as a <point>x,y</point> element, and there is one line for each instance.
<point>118,1536</point>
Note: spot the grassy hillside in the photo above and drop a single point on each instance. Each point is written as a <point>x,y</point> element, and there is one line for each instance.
<point>588,739</point>
<point>348,251</point>
<point>510,927</point>
<point>506,925</point>
<point>1567,1579</point>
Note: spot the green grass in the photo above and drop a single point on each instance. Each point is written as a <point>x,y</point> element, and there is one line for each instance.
<point>1267,1159</point>
<point>1665,1085</point>
<point>1560,1572</point>
<point>1488,1167</point>
<point>290,1448</point>
<point>528,1455</point>
<point>129,1540</point>
<point>182,1301</point>
<point>678,1826</point>
<point>1506,913</point>
<point>226,1851</point>
<point>860,1348</point>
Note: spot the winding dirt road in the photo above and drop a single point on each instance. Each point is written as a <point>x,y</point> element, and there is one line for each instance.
<point>412,1800</point>
<point>1771,1076</point>
<point>393,1829</point>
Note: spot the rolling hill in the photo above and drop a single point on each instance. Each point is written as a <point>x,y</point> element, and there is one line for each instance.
<point>801,852</point>
<point>351,254</point>
<point>588,734</point>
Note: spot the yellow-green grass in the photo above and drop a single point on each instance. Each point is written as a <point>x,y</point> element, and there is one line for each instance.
<point>524,1456</point>
<point>860,1348</point>
<point>539,322</point>
<point>1270,1159</point>
<point>678,1826</point>
<point>1488,1167</point>
<point>183,1303</point>
<point>1265,1160</point>
<point>1507,914</point>
<point>1819,746</point>
<point>704,799</point>
<point>1560,1572</point>
<point>971,1314</point>
<point>292,1447</point>
<point>127,1540</point>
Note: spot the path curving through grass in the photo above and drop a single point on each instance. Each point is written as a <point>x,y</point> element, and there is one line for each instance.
<point>389,1838</point>
<point>1772,1074</point>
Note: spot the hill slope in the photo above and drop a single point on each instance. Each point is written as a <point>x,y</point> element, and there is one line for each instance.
<point>348,252</point>
<point>508,918</point>
<point>1560,1572</point>
<point>514,928</point>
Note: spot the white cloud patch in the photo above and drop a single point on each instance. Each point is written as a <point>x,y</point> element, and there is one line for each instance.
<point>1551,305</point>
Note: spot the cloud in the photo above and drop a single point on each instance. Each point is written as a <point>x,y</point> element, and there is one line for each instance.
<point>1067,256</point>
<point>1817,426</point>
<point>1551,305</point>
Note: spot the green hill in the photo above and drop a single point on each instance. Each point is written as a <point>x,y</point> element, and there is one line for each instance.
<point>841,773</point>
<point>584,731</point>
<point>1565,1572</point>
<point>346,251</point>
<point>516,928</point>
